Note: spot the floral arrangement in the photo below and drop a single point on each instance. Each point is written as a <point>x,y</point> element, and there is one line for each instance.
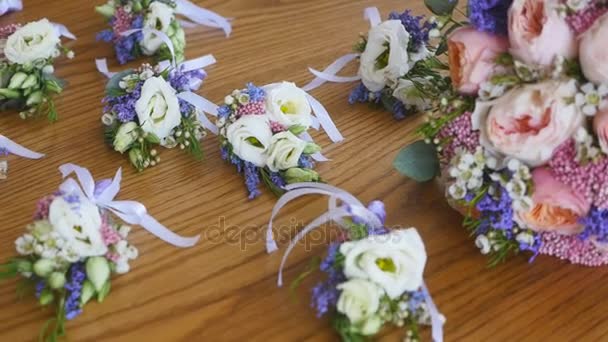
<point>397,64</point>
<point>143,110</point>
<point>27,82</point>
<point>374,276</point>
<point>129,20</point>
<point>262,132</point>
<point>520,138</point>
<point>68,254</point>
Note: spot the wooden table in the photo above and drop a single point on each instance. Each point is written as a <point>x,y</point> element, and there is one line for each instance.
<point>224,289</point>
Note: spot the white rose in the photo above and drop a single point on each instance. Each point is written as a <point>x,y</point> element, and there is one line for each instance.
<point>395,261</point>
<point>159,17</point>
<point>410,96</point>
<point>125,136</point>
<point>158,108</point>
<point>287,104</point>
<point>392,36</point>
<point>360,301</point>
<point>35,41</point>
<point>285,151</point>
<point>78,221</point>
<point>250,138</point>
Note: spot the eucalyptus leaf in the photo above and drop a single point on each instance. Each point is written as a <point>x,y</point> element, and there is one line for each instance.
<point>418,161</point>
<point>112,87</point>
<point>441,7</point>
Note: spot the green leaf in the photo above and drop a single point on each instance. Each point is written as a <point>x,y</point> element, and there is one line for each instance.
<point>152,138</point>
<point>297,129</point>
<point>312,267</point>
<point>104,291</point>
<point>418,161</point>
<point>441,7</point>
<point>273,187</point>
<point>112,88</point>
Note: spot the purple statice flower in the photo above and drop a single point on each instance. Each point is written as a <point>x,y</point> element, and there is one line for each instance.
<point>124,105</point>
<point>490,15</point>
<point>125,47</point>
<point>3,152</point>
<point>255,94</point>
<point>74,289</point>
<point>416,300</point>
<point>596,225</point>
<point>534,247</point>
<point>252,180</point>
<point>325,294</point>
<point>306,162</point>
<point>399,110</point>
<point>105,36</point>
<point>359,94</point>
<point>224,111</point>
<point>416,26</point>
<point>40,285</point>
<point>497,212</point>
<point>182,80</point>
<point>276,179</point>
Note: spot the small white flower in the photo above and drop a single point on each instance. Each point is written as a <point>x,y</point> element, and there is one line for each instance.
<point>525,238</point>
<point>516,188</point>
<point>147,73</point>
<point>483,243</point>
<point>70,54</point>
<point>124,231</point>
<point>457,191</point>
<point>48,69</point>
<point>25,244</point>
<point>107,119</point>
<point>229,100</point>
<point>514,165</point>
<point>434,33</point>
<point>523,204</point>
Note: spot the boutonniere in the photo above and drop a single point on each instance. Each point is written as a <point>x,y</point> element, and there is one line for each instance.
<point>263,131</point>
<point>161,15</point>
<point>150,107</point>
<point>374,276</point>
<point>76,242</point>
<point>7,146</point>
<point>27,81</point>
<point>396,64</point>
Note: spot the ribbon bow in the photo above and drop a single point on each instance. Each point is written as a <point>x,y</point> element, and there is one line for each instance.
<point>373,216</point>
<point>202,16</point>
<point>130,212</point>
<point>372,14</point>
<point>10,5</point>
<point>9,146</point>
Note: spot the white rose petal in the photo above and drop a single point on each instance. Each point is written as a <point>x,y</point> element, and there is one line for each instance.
<point>394,261</point>
<point>37,40</point>
<point>359,301</point>
<point>159,17</point>
<point>288,105</point>
<point>285,151</point>
<point>250,138</point>
<point>158,108</point>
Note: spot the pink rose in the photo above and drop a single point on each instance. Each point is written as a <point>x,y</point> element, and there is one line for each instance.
<point>472,55</point>
<point>600,126</point>
<point>538,34</point>
<point>593,52</point>
<point>557,208</point>
<point>528,123</point>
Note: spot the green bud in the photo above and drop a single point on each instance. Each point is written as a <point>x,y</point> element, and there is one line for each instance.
<point>43,267</point>
<point>29,82</point>
<point>98,272</point>
<point>103,293</point>
<point>136,158</point>
<point>56,280</point>
<point>297,129</point>
<point>46,297</point>
<point>17,80</point>
<point>136,5</point>
<point>297,175</point>
<point>24,266</point>
<point>152,138</point>
<point>87,292</point>
<point>105,10</point>
<point>311,148</point>
<point>53,86</point>
<point>34,98</point>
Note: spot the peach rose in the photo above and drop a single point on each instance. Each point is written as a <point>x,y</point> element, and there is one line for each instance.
<point>557,208</point>
<point>538,34</point>
<point>528,123</point>
<point>472,55</point>
<point>600,126</point>
<point>593,53</point>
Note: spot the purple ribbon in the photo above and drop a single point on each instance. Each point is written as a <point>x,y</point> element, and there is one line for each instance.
<point>130,212</point>
<point>12,147</point>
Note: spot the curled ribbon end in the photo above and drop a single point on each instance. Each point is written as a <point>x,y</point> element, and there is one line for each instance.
<point>271,247</point>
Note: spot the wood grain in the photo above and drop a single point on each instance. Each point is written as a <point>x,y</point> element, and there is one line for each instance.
<point>224,289</point>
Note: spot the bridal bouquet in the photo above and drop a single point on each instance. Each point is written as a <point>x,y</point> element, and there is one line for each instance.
<point>374,276</point>
<point>27,81</point>
<point>67,255</point>
<point>398,67</point>
<point>521,138</point>
<point>263,132</point>
<point>143,110</point>
<point>129,19</point>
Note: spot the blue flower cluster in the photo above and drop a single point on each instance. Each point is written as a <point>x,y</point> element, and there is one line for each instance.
<point>596,224</point>
<point>183,81</point>
<point>74,289</point>
<point>249,170</point>
<point>126,47</point>
<point>490,15</point>
<point>124,105</point>
<point>325,294</point>
<point>416,26</point>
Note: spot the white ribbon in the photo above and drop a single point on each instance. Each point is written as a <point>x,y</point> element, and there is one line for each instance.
<point>63,31</point>
<point>129,211</point>
<point>162,35</point>
<point>10,5</point>
<point>318,156</point>
<point>13,148</point>
<point>372,14</point>
<point>102,67</point>
<point>205,106</point>
<point>202,16</point>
